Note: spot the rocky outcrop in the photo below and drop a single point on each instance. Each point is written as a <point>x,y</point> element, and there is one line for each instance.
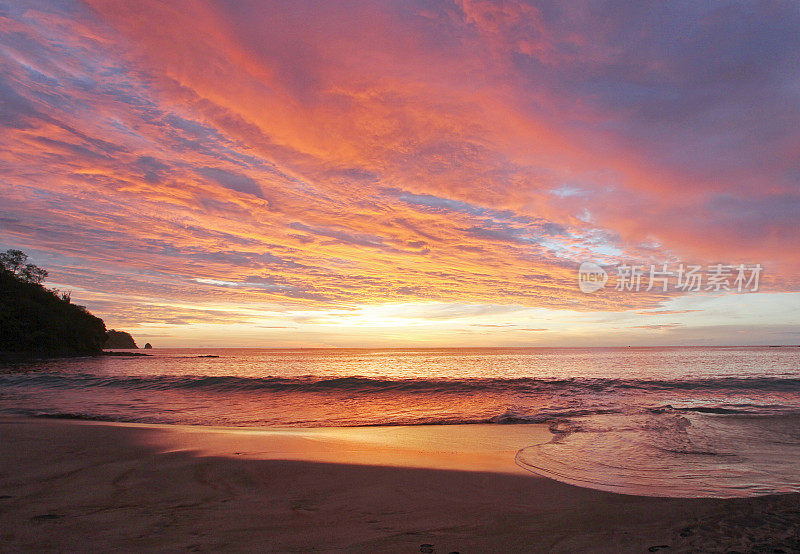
<point>119,339</point>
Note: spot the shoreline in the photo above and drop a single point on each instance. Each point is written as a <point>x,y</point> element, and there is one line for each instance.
<point>88,486</point>
<point>34,356</point>
<point>456,447</point>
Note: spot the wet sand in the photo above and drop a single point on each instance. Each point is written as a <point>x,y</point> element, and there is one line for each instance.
<point>80,486</point>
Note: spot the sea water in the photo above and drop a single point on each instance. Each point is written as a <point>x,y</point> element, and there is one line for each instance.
<point>656,421</point>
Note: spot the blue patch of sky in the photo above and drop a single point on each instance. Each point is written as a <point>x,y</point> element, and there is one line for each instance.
<point>446,204</point>
<point>506,226</point>
<point>565,191</point>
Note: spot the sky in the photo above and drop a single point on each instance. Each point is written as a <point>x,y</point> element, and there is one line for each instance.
<point>400,173</point>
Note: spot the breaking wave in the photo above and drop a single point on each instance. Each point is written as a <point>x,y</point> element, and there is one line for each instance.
<point>375,385</point>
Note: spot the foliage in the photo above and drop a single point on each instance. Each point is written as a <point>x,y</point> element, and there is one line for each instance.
<point>36,319</point>
<point>13,261</point>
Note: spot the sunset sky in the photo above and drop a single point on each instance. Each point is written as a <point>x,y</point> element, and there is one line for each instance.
<point>404,173</point>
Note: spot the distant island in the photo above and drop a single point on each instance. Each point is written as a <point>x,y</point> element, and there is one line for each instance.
<point>40,321</point>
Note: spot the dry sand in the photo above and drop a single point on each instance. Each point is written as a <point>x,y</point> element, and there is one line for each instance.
<point>77,486</point>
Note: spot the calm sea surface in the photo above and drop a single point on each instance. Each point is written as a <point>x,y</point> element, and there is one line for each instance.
<point>663,421</point>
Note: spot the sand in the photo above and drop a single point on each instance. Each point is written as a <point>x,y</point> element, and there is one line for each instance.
<point>80,486</point>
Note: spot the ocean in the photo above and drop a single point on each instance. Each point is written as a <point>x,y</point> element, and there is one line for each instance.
<point>713,422</point>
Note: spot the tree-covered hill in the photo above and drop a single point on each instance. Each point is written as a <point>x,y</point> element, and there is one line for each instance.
<point>39,320</point>
<point>119,339</point>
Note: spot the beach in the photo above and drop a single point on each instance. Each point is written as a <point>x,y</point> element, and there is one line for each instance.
<point>90,486</point>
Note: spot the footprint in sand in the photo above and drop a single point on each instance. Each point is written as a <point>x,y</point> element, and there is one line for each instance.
<point>428,549</point>
<point>45,517</point>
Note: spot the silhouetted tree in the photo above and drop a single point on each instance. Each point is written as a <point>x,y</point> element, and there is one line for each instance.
<point>13,261</point>
<point>33,274</point>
